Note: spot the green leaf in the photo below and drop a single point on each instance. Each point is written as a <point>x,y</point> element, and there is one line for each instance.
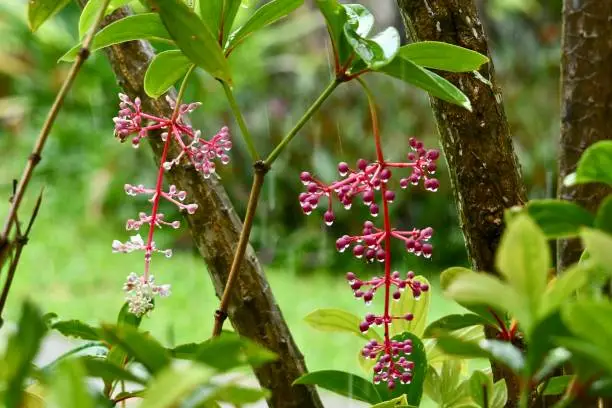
<point>523,258</point>
<point>194,38</point>
<point>337,320</point>
<point>127,318</point>
<point>453,322</point>
<point>366,364</point>
<point>599,245</point>
<point>594,165</point>
<point>603,220</point>
<point>164,71</point>
<point>140,346</point>
<point>452,389</point>
<point>443,56</point>
<point>414,390</point>
<point>219,13</point>
<point>376,52</point>
<point>236,395</point>
<point>430,82</point>
<point>263,16</point>
<point>229,351</point>
<point>40,11</point>
<point>78,329</point>
<point>172,385</point>
<point>109,372</point>
<point>558,218</point>
<point>501,351</point>
<point>563,288</point>
<point>138,27</point>
<point>335,17</point>
<point>342,383</point>
<point>553,359</point>
<point>88,15</point>
<point>499,397</point>
<point>478,382</point>
<point>542,340</point>
<point>21,349</point>
<point>557,385</point>
<point>408,304</point>
<point>68,387</point>
<point>399,402</point>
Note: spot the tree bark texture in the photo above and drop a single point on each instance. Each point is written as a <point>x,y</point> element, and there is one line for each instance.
<point>215,228</point>
<point>586,102</point>
<point>483,166</point>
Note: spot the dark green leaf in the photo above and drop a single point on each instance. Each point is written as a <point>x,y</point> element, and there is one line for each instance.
<point>430,82</point>
<point>126,318</point>
<point>138,27</point>
<point>603,221</point>
<point>557,385</point>
<point>500,351</point>
<point>185,351</point>
<point>602,387</point>
<point>263,16</point>
<point>443,56</point>
<point>594,356</point>
<point>230,351</point>
<point>343,383</point>
<point>109,372</point>
<point>88,15</point>
<point>543,339</point>
<point>40,11</point>
<point>164,71</point>
<point>594,165</point>
<point>453,322</point>
<point>337,320</point>
<point>140,346</point>
<point>414,390</point>
<point>78,329</point>
<point>194,38</point>
<point>558,218</point>
<point>553,359</point>
<point>68,388</point>
<point>217,14</point>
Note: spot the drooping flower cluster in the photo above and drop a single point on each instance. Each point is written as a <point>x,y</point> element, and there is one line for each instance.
<point>374,244</point>
<point>132,122</point>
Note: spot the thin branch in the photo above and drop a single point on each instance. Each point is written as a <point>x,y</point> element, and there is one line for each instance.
<point>246,135</point>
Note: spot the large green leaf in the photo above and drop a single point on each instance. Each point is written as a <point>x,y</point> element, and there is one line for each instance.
<point>430,82</point>
<point>557,385</point>
<point>563,288</point>
<point>414,390</point>
<point>108,371</point>
<point>335,17</point>
<point>453,322</point>
<point>603,220</point>
<point>377,51</point>
<point>173,384</point>
<point>599,246</point>
<point>501,351</point>
<point>194,38</point>
<point>229,351</point>
<point>523,258</point>
<point>164,71</point>
<point>558,218</point>
<point>217,15</point>
<point>263,16</point>
<point>139,346</point>
<point>337,320</point>
<point>40,11</point>
<point>443,56</point>
<point>418,308</point>
<point>343,383</point>
<point>68,389</point>
<point>88,15</point>
<point>542,340</point>
<point>594,165</point>
<point>146,26</point>
<point>78,329</point>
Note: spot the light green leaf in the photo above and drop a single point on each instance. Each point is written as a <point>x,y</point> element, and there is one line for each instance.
<point>173,384</point>
<point>453,322</point>
<point>217,14</point>
<point>599,245</point>
<point>603,220</point>
<point>360,18</point>
<point>40,11</point>
<point>523,258</point>
<point>399,402</point>
<point>594,165</point>
<point>366,364</point>
<point>478,382</point>
<point>335,17</point>
<point>418,308</point>
<point>344,384</point>
<point>77,329</point>
<point>499,396</point>
<point>557,385</point>
<point>558,218</point>
<point>376,52</point>
<point>68,388</point>
<point>337,320</point>
<point>229,351</point>
<point>194,38</point>
<point>88,15</point>
<point>263,16</point>
<point>563,288</point>
<point>554,358</point>
<point>236,395</point>
<point>164,71</point>
<point>443,56</point>
<point>430,82</point>
<point>138,27</point>
<point>108,371</point>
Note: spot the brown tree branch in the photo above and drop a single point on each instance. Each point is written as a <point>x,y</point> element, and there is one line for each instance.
<point>483,167</point>
<point>215,230</point>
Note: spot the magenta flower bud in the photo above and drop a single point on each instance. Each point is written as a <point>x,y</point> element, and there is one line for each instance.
<point>406,378</point>
<point>356,285</point>
<point>432,167</point>
<point>307,209</point>
<point>370,254</point>
<point>427,250</point>
<point>312,187</point>
<point>350,276</point>
<point>410,275</point>
<point>364,326</point>
<point>329,217</point>
<point>410,244</point>
<point>358,251</point>
<point>432,184</point>
<point>426,233</point>
<point>358,294</point>
<point>408,317</point>
<point>343,168</point>
<point>411,157</point>
<point>389,196</point>
<point>424,287</point>
<point>368,296</point>
<point>391,384</point>
<point>305,177</point>
<point>370,318</point>
<point>342,243</point>
<point>374,210</point>
<point>433,154</point>
<point>362,164</point>
<point>380,255</point>
<point>414,179</point>
<point>302,197</point>
<point>419,145</point>
<point>412,142</point>
<point>404,183</point>
<point>397,295</point>
<point>368,196</point>
<point>385,174</point>
<point>368,224</point>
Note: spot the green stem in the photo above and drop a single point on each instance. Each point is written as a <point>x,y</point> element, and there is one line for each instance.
<point>300,124</point>
<point>181,92</point>
<point>241,123</point>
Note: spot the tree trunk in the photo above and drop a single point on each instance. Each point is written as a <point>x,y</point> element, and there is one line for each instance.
<point>484,171</point>
<point>215,229</point>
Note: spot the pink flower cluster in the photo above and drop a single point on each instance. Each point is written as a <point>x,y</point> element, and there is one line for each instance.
<point>201,153</point>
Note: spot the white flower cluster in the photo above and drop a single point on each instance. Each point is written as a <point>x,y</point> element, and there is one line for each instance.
<point>140,293</point>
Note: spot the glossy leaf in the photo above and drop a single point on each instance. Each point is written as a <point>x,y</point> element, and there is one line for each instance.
<point>377,51</point>
<point>88,15</point>
<point>146,26</point>
<point>418,308</point>
<point>172,384</point>
<point>337,320</point>
<point>557,385</point>
<point>453,322</point>
<point>335,17</point>
<point>478,382</point>
<point>164,71</point>
<point>263,16</point>
<point>194,38</point>
<point>217,14</point>
<point>414,390</point>
<point>430,82</point>
<point>599,245</point>
<point>558,218</point>
<point>138,345</point>
<point>499,397</point>
<point>603,220</point>
<point>40,11</point>
<point>443,56</point>
<point>594,165</point>
<point>68,387</point>
<point>230,351</point>
<point>108,371</point>
<point>399,402</point>
<point>344,384</point>
<point>78,329</point>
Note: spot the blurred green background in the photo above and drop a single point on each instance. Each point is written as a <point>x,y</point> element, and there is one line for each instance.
<point>68,267</point>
